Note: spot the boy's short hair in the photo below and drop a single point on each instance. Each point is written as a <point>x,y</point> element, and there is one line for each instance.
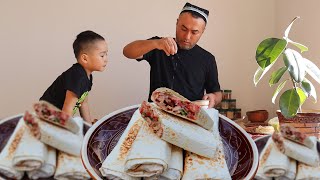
<point>84,40</point>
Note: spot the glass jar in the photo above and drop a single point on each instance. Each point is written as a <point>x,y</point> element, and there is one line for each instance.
<point>223,112</point>
<point>227,94</point>
<point>232,103</point>
<point>230,113</point>
<point>237,113</point>
<point>225,104</point>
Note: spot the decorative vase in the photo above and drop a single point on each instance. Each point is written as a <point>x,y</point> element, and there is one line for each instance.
<point>306,122</point>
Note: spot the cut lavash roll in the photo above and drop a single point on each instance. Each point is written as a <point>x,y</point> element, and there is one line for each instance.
<point>70,166</point>
<point>6,167</point>
<point>113,166</point>
<point>52,114</point>
<point>175,168</point>
<point>30,153</point>
<point>48,167</point>
<point>149,155</point>
<point>198,167</point>
<point>293,134</point>
<point>279,164</point>
<point>264,155</point>
<point>305,171</point>
<point>55,136</point>
<point>297,151</point>
<point>174,103</point>
<point>179,132</point>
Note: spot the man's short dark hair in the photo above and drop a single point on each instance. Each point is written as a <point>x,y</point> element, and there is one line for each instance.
<point>84,40</point>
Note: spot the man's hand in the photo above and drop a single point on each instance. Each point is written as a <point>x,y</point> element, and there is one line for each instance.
<point>214,98</point>
<point>168,45</point>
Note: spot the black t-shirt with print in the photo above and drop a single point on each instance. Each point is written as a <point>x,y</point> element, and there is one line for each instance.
<point>189,72</point>
<point>74,79</point>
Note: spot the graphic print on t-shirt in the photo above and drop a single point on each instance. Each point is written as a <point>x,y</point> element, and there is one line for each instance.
<point>79,102</point>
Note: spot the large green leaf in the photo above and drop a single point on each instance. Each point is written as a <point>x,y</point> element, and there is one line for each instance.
<point>269,50</point>
<point>289,103</point>
<point>302,96</point>
<point>276,92</point>
<point>308,87</point>
<point>295,63</point>
<point>286,32</point>
<point>300,46</point>
<point>259,74</point>
<point>312,70</point>
<point>276,75</point>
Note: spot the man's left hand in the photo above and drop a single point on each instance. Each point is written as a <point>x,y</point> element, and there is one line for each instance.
<point>214,98</point>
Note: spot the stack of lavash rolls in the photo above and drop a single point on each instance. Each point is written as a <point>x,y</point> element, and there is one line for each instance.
<point>44,143</point>
<point>167,143</point>
<point>289,154</point>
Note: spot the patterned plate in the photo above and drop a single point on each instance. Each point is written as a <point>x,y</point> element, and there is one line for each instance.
<point>6,129</point>
<point>240,150</point>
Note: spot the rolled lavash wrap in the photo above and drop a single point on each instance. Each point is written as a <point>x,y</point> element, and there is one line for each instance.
<point>48,167</point>
<point>198,167</point>
<point>113,166</point>
<point>149,155</point>
<point>52,114</point>
<point>179,132</point>
<point>305,171</point>
<point>296,151</point>
<point>293,134</point>
<point>291,172</point>
<point>174,103</point>
<point>55,136</point>
<point>6,167</point>
<point>30,153</point>
<point>264,155</point>
<point>70,166</point>
<point>278,164</point>
<point>175,168</point>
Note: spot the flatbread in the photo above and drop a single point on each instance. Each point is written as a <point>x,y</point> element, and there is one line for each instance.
<point>201,117</point>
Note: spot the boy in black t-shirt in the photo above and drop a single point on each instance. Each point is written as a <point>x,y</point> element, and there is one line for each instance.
<point>69,91</point>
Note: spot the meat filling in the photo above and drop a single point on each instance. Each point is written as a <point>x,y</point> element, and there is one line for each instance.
<point>290,132</point>
<point>174,104</point>
<point>152,118</point>
<point>278,141</point>
<point>45,112</point>
<point>32,124</point>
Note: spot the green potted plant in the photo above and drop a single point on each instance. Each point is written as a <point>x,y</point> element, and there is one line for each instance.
<point>268,52</point>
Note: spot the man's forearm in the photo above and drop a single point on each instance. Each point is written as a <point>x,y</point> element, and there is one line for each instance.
<point>138,48</point>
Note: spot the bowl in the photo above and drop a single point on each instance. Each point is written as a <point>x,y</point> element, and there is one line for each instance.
<point>240,150</point>
<point>257,116</point>
<point>7,126</point>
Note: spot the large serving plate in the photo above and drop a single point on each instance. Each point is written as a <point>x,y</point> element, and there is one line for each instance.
<point>6,129</point>
<point>240,150</point>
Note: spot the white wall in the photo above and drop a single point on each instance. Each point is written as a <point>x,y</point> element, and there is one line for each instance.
<point>36,46</point>
<point>305,31</point>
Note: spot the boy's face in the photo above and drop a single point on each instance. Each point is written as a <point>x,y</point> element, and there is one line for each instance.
<point>97,56</point>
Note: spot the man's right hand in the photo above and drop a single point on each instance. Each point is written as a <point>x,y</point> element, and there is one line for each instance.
<point>168,45</point>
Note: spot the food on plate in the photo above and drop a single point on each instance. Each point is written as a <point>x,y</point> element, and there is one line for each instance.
<point>172,102</point>
<point>55,136</point>
<point>149,155</point>
<point>52,114</point>
<point>179,132</point>
<point>293,134</point>
<point>30,153</point>
<point>113,166</point>
<point>297,151</point>
<point>6,166</point>
<point>48,168</point>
